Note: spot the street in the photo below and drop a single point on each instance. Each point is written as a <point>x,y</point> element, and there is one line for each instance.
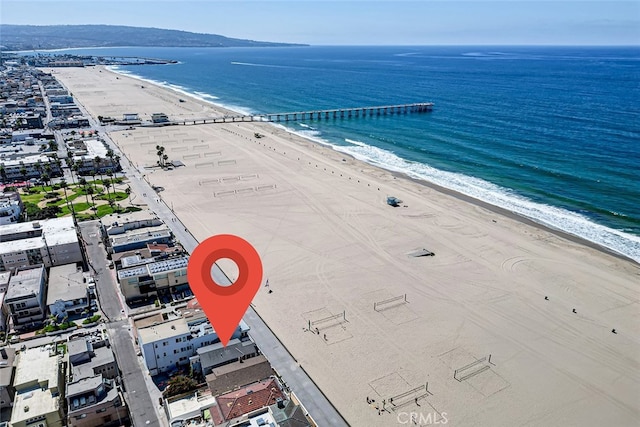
<point>141,406</point>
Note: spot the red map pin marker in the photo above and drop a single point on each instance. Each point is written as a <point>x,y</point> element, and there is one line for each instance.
<point>224,305</point>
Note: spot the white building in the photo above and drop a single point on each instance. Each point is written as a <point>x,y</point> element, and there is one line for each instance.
<point>134,230</point>
<point>38,381</point>
<point>168,345</point>
<point>142,278</point>
<point>50,242</point>
<point>86,157</point>
<point>10,208</point>
<point>67,293</point>
<point>26,295</point>
<point>34,165</point>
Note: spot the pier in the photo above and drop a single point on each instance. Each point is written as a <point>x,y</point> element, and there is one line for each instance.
<point>340,113</point>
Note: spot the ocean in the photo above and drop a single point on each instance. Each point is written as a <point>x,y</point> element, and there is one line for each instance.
<point>550,133</point>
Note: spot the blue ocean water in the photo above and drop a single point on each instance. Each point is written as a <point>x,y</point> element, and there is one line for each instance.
<point>552,133</point>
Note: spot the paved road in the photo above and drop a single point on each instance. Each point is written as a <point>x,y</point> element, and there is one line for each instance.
<point>319,407</point>
<point>141,407</point>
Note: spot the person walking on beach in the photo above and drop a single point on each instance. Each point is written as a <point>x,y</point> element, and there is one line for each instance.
<point>266,284</point>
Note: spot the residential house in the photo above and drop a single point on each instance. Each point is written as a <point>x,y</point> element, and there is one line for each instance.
<point>67,293</point>
<point>239,405</point>
<point>215,355</point>
<point>32,165</point>
<point>11,207</point>
<point>169,345</point>
<point>237,374</point>
<point>92,393</point>
<point>7,370</point>
<point>144,278</point>
<point>50,242</point>
<point>134,230</point>
<point>90,356</point>
<point>95,401</point>
<point>25,298</point>
<point>38,382</point>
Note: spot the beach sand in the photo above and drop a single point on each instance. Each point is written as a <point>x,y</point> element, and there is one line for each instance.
<point>331,245</point>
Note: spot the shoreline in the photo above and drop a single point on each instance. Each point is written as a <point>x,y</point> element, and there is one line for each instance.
<point>329,244</point>
<point>525,220</point>
<point>452,192</point>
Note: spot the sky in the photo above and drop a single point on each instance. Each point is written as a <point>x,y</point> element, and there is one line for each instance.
<point>357,22</point>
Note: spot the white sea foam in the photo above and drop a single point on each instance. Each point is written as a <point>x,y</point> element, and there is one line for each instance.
<point>251,64</point>
<point>206,95</point>
<point>551,216</point>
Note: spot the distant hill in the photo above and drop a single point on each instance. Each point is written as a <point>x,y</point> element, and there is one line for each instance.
<point>28,37</point>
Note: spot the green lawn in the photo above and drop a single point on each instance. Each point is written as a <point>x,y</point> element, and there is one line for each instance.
<point>116,197</point>
<point>79,207</point>
<point>107,210</point>
<point>32,198</point>
<point>81,190</point>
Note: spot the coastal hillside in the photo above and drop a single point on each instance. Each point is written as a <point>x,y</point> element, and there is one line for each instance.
<point>28,37</point>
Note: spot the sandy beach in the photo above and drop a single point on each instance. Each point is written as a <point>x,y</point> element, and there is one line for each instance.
<point>330,245</point>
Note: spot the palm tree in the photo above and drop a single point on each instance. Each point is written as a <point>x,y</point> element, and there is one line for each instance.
<point>128,192</point>
<point>160,152</point>
<point>98,161</point>
<point>64,185</point>
<point>110,155</point>
<point>70,164</point>
<point>110,181</point>
<point>3,174</point>
<point>83,183</point>
<point>90,192</point>
<point>23,172</point>
<point>58,163</point>
<point>47,174</point>
<point>107,184</point>
<point>39,167</point>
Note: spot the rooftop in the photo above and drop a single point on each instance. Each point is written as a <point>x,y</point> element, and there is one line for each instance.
<point>56,231</point>
<point>216,354</point>
<point>163,331</point>
<point>148,320</point>
<point>247,399</point>
<point>83,385</point>
<point>7,247</point>
<point>101,356</point>
<point>65,284</point>
<point>172,264</point>
<point>25,282</point>
<point>36,365</point>
<point>129,217</point>
<point>95,148</point>
<point>32,404</point>
<point>190,406</point>
<point>145,234</point>
<point>232,367</point>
